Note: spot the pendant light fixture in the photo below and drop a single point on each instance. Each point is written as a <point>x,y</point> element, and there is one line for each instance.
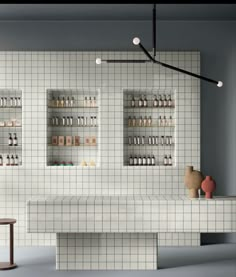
<point>152,58</point>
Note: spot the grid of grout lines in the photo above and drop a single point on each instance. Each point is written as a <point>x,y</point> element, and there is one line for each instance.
<point>34,73</point>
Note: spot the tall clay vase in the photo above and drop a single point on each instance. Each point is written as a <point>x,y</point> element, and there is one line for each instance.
<point>208,186</point>
<point>193,180</point>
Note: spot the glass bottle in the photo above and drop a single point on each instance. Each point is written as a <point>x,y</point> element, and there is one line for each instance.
<point>133,102</point>
<point>150,140</point>
<point>11,101</point>
<point>165,122</point>
<point>145,120</point>
<point>18,101</point>
<point>170,160</point>
<point>153,140</point>
<point>67,101</point>
<point>162,140</point>
<point>138,140</point>
<point>150,121</point>
<point>1,160</point>
<point>159,101</point>
<point>134,121</point>
<point>157,140</point>
<point>130,140</point>
<point>170,140</point>
<point>8,160</point>
<point>143,140</point>
<point>169,101</point>
<point>144,162</point>
<point>131,160</point>
<point>94,102</point>
<point>78,120</point>
<point>140,121</point>
<point>165,160</point>
<point>58,101</point>
<point>15,140</point>
<point>12,160</point>
<point>16,160</point>
<point>62,102</point>
<point>155,101</point>
<point>15,101</point>
<point>63,121</point>
<point>71,120</point>
<point>135,161</point>
<point>135,140</point>
<point>72,101</point>
<point>164,101</point>
<point>10,141</point>
<point>140,160</point>
<point>140,101</point>
<point>145,102</point>
<point>160,121</point>
<point>167,140</point>
<point>94,121</point>
<point>153,160</point>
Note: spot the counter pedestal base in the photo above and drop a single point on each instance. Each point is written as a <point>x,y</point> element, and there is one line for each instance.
<point>106,251</point>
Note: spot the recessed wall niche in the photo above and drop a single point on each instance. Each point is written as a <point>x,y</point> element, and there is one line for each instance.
<point>149,127</point>
<point>72,127</point>
<point>10,127</point>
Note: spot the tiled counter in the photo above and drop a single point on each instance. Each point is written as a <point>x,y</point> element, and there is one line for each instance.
<point>107,232</point>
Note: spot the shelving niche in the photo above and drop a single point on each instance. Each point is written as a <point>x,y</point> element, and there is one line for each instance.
<point>137,130</point>
<point>10,125</point>
<point>72,127</point>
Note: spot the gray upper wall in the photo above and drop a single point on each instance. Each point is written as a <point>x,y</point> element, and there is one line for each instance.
<point>216,42</point>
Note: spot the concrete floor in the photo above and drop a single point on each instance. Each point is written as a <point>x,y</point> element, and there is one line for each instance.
<point>211,260</point>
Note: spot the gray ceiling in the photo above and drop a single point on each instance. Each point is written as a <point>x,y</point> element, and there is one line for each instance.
<point>117,11</point>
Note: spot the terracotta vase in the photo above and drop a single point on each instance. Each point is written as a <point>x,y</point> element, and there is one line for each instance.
<point>193,180</point>
<point>208,186</point>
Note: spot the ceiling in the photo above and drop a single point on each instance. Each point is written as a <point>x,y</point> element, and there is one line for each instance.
<point>117,11</point>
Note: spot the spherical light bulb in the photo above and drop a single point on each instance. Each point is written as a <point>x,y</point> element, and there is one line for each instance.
<point>136,41</point>
<point>220,84</point>
<point>98,61</point>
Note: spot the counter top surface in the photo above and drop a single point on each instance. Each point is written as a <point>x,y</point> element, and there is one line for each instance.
<point>96,199</point>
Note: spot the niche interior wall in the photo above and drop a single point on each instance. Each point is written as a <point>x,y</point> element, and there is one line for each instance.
<point>34,73</point>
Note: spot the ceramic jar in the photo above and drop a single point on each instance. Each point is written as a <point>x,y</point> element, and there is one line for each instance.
<point>193,180</point>
<point>208,186</point>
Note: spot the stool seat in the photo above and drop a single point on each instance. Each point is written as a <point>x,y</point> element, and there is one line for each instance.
<point>5,221</point>
<point>10,264</point>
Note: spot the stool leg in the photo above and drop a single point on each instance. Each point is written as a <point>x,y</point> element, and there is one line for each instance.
<point>11,244</point>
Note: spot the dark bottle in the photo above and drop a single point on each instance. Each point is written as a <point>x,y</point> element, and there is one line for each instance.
<point>140,161</point>
<point>8,160</point>
<point>153,160</point>
<point>10,140</point>
<point>165,160</point>
<point>15,140</point>
<point>133,102</point>
<point>16,160</point>
<point>145,102</point>
<point>1,160</point>
<point>12,160</point>
<point>131,161</point>
<point>170,160</point>
<point>135,162</point>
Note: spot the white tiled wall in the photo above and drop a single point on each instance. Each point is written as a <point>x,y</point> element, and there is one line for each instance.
<point>36,72</point>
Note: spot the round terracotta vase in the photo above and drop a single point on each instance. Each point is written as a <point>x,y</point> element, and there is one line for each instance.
<point>208,186</point>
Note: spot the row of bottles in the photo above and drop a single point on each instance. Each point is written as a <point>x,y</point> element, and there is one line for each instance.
<point>151,140</point>
<point>167,160</point>
<point>10,102</point>
<point>142,160</point>
<point>149,160</point>
<point>62,101</point>
<point>90,101</point>
<point>82,121</point>
<point>148,121</point>
<point>12,140</point>
<point>10,160</point>
<point>157,101</point>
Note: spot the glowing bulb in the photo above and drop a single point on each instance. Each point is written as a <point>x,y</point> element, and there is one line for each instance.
<point>136,41</point>
<point>98,61</point>
<point>220,84</point>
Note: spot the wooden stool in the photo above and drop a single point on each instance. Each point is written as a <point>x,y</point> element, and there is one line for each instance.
<point>11,222</point>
